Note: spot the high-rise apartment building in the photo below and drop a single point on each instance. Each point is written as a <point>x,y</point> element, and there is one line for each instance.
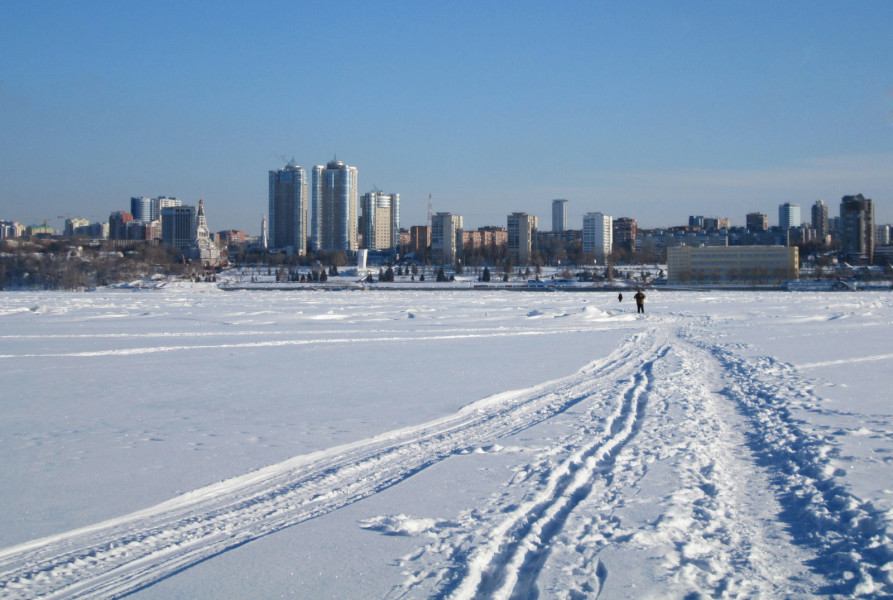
<point>857,227</point>
<point>597,234</point>
<point>714,224</point>
<point>333,224</point>
<point>73,225</point>
<point>881,235</point>
<point>118,221</point>
<point>789,215</point>
<point>757,222</point>
<point>11,229</point>
<point>178,224</point>
<point>820,219</point>
<point>420,240</point>
<point>141,208</point>
<point>446,238</point>
<point>380,221</point>
<point>624,234</point>
<point>162,202</point>
<point>96,230</point>
<point>559,215</point>
<point>288,209</point>
<point>521,229</point>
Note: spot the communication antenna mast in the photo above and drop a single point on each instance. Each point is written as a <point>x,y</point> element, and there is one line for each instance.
<point>430,206</point>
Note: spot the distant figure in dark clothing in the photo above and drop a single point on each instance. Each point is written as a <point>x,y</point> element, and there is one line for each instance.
<point>620,297</point>
<point>640,302</point>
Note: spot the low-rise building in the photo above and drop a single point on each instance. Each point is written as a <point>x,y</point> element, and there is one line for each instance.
<point>734,264</point>
<point>232,236</point>
<point>483,238</point>
<point>757,222</point>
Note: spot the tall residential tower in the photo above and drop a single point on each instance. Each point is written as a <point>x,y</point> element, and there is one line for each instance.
<point>521,229</point>
<point>598,234</point>
<point>820,219</point>
<point>333,226</point>
<point>446,238</point>
<point>178,225</point>
<point>559,215</point>
<point>141,208</point>
<point>288,209</point>
<point>857,227</point>
<point>380,221</point>
<point>789,215</point>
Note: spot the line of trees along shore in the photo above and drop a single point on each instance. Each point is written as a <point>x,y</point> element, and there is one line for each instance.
<point>59,265</point>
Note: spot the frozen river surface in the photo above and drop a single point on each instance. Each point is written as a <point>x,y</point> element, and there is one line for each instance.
<point>193,443</point>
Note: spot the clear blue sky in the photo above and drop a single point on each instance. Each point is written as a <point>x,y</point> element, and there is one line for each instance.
<point>650,110</point>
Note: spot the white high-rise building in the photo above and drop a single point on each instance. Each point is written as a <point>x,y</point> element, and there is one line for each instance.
<point>559,215</point>
<point>380,221</point>
<point>521,229</point>
<point>881,235</point>
<point>446,238</point>
<point>141,208</point>
<point>288,209</point>
<point>598,234</point>
<point>162,202</point>
<point>333,225</point>
<point>789,216</point>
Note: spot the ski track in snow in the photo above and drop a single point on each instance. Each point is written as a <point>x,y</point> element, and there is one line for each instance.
<point>716,533</point>
<point>122,555</point>
<point>671,397</point>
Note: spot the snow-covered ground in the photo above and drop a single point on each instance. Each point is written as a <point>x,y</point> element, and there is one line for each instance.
<point>193,443</point>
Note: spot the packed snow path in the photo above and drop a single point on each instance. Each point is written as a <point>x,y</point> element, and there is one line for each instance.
<point>704,424</point>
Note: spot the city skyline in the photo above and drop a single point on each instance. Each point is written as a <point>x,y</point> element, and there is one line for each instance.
<point>790,216</point>
<point>653,112</point>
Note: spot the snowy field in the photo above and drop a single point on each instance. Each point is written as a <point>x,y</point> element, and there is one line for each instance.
<point>193,443</point>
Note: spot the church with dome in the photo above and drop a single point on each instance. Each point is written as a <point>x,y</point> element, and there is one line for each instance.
<point>201,247</point>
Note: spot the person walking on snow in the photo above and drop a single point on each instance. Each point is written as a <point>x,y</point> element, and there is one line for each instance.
<point>620,297</point>
<point>640,302</point>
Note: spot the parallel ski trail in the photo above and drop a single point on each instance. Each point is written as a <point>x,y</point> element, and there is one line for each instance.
<point>120,556</point>
<point>509,565</point>
<point>713,532</point>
